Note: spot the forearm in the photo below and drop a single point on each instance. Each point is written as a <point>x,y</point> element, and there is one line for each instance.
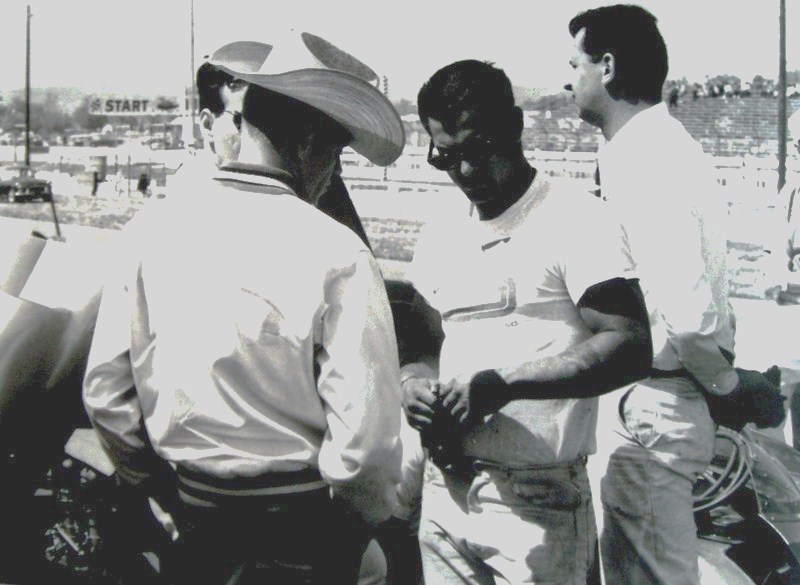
<point>598,365</point>
<point>361,456</point>
<point>694,320</point>
<point>419,374</point>
<point>702,358</point>
<point>426,367</point>
<point>113,409</point>
<point>619,350</point>
<point>109,393</point>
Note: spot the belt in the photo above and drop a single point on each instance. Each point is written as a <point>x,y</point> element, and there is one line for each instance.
<point>203,490</point>
<point>484,464</point>
<point>467,466</point>
<point>679,373</point>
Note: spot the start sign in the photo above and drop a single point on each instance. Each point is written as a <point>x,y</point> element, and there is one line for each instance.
<point>132,105</point>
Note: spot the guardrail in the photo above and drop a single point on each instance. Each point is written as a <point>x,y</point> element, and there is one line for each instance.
<point>743,177</point>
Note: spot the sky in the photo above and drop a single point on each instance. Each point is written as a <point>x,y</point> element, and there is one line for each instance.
<point>143,47</point>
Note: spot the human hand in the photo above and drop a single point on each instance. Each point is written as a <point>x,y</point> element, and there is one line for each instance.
<point>467,400</point>
<point>455,400</point>
<point>762,399</point>
<point>755,399</point>
<point>419,401</point>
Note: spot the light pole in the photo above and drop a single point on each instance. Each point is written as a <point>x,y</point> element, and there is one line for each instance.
<point>28,111</point>
<point>193,89</point>
<point>28,88</point>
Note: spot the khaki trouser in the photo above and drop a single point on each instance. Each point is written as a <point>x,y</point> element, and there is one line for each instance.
<point>507,525</point>
<point>654,439</point>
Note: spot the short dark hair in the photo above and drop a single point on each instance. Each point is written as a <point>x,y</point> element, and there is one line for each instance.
<point>630,33</point>
<point>210,80</point>
<point>285,120</point>
<point>469,85</point>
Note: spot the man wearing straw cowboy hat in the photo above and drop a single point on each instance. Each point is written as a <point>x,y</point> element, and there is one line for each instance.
<point>261,368</point>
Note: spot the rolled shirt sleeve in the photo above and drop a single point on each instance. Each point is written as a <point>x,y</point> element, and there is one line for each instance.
<point>359,385</point>
<point>663,187</point>
<point>677,241</point>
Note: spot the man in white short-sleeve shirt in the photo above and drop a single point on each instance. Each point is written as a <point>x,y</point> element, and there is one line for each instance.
<point>536,315</point>
<point>659,184</point>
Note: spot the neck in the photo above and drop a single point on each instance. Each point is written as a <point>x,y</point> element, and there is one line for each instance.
<point>257,149</point>
<point>519,181</point>
<point>619,115</point>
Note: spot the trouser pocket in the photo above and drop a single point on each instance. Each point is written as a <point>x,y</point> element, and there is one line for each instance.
<point>640,416</point>
<point>548,493</point>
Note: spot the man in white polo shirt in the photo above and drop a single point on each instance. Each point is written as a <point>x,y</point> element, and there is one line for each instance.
<point>656,179</point>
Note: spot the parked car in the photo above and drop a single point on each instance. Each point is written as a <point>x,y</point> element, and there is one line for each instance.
<point>24,186</point>
<point>37,143</point>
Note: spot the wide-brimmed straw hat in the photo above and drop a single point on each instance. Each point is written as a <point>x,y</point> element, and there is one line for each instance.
<point>312,70</point>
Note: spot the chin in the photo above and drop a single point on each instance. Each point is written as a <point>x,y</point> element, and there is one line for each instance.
<point>590,117</point>
<point>477,194</point>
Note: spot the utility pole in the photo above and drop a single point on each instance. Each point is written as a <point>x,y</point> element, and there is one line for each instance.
<point>782,97</point>
<point>28,88</point>
<point>192,105</point>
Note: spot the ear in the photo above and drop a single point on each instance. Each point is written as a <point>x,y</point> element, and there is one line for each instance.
<point>517,123</point>
<point>206,126</point>
<point>609,68</point>
<point>306,145</point>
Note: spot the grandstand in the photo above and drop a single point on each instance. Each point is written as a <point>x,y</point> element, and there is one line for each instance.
<point>725,126</point>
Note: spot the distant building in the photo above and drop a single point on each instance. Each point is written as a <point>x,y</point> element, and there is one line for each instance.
<point>416,135</point>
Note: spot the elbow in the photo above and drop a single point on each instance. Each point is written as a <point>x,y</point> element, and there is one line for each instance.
<point>632,361</point>
<point>91,404</point>
<point>366,486</point>
<point>640,353</point>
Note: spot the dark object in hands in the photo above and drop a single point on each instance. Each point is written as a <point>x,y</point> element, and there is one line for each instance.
<point>756,399</point>
<point>487,393</point>
<point>442,439</point>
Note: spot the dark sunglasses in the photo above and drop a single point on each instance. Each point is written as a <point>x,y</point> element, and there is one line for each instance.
<point>475,152</point>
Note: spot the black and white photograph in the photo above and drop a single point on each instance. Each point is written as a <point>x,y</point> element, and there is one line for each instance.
<point>399,293</point>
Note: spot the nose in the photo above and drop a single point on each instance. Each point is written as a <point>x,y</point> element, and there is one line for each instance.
<point>568,87</point>
<point>465,169</point>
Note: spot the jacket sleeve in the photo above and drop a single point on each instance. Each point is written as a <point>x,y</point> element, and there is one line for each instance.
<point>109,393</point>
<point>359,386</point>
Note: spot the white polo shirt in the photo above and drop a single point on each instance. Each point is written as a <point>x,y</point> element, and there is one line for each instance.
<point>661,187</point>
<point>507,290</point>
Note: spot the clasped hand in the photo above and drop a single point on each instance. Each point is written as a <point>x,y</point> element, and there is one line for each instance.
<point>457,401</point>
<point>763,399</point>
<point>755,399</point>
